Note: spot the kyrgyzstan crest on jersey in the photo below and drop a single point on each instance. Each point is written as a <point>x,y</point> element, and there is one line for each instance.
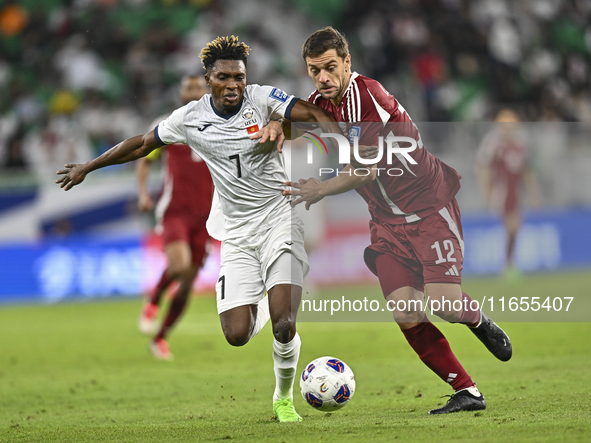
<point>278,94</point>
<point>250,121</point>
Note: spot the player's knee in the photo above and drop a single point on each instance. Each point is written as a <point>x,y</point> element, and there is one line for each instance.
<point>237,332</point>
<point>407,317</point>
<point>449,316</point>
<point>237,337</point>
<point>446,311</point>
<point>284,330</point>
<point>180,270</point>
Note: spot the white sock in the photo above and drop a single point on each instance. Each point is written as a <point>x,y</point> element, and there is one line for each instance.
<point>263,315</point>
<point>479,321</point>
<point>285,358</point>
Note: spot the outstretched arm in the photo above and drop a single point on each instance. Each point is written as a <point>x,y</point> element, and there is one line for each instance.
<point>142,171</point>
<point>306,112</point>
<point>302,111</point>
<point>313,190</point>
<point>126,151</point>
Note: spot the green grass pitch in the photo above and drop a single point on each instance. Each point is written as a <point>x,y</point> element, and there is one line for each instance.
<point>80,372</point>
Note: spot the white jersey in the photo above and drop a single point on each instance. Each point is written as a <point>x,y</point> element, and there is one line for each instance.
<point>248,182</point>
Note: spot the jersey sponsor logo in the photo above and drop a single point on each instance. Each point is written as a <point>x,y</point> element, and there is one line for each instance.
<point>278,94</point>
<point>204,127</point>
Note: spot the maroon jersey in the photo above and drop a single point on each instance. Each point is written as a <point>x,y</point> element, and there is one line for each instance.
<point>420,189</point>
<point>188,188</point>
<point>507,157</point>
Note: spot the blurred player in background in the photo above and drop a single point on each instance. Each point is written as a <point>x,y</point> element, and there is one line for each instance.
<point>416,233</point>
<point>181,214</point>
<point>263,239</point>
<point>504,165</point>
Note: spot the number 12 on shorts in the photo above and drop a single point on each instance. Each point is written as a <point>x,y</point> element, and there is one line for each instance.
<point>448,246</point>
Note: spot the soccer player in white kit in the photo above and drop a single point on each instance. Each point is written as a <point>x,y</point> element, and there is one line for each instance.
<point>263,246</point>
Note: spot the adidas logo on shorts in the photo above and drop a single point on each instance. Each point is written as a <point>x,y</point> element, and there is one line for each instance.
<point>453,271</point>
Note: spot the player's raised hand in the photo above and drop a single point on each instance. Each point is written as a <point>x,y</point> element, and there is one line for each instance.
<point>307,191</point>
<point>273,131</point>
<point>73,175</point>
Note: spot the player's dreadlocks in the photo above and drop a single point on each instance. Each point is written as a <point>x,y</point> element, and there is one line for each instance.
<point>224,48</point>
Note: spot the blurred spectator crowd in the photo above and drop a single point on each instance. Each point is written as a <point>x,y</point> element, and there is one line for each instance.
<point>472,56</point>
<point>77,76</point>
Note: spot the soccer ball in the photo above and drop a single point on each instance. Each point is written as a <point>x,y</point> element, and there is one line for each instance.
<point>327,384</point>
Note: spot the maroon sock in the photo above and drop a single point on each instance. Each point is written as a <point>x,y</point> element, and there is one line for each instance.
<point>469,317</point>
<point>159,289</point>
<point>177,306</point>
<point>434,350</point>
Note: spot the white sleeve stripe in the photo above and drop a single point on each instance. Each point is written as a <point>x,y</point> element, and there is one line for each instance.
<point>350,118</point>
<point>410,218</point>
<point>453,227</point>
<point>358,97</point>
<point>353,102</point>
<point>384,115</point>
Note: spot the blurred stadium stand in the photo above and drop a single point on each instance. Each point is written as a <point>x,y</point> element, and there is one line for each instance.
<point>77,76</point>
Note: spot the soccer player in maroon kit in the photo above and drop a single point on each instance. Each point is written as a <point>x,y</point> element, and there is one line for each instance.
<point>416,232</point>
<point>181,213</point>
<point>503,166</point>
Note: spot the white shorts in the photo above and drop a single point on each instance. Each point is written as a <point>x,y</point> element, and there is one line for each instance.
<point>249,265</point>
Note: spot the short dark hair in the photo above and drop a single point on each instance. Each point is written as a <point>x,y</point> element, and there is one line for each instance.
<point>325,40</point>
<point>224,48</point>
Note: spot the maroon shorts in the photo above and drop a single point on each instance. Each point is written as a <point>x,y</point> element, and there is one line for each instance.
<point>193,232</point>
<point>428,251</point>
